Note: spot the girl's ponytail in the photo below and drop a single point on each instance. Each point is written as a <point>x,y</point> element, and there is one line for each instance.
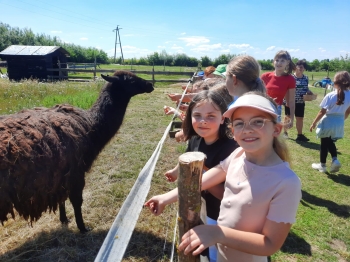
<point>342,81</point>
<point>340,96</point>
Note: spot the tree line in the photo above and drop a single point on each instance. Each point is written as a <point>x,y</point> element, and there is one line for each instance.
<point>16,36</point>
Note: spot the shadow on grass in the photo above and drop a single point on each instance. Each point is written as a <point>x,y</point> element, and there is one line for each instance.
<point>310,145</point>
<point>65,244</point>
<point>62,244</point>
<point>148,247</point>
<point>296,245</point>
<point>340,179</point>
<point>339,210</point>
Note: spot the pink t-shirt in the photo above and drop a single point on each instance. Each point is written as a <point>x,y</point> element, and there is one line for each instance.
<point>253,194</point>
<point>278,86</point>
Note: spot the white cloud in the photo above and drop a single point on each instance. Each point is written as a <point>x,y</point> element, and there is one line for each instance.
<point>321,49</point>
<point>241,46</point>
<point>161,46</point>
<point>183,33</point>
<point>84,38</point>
<point>129,51</point>
<point>293,50</point>
<point>270,48</point>
<point>207,48</point>
<point>176,47</point>
<point>194,40</point>
<point>56,32</point>
<point>224,51</point>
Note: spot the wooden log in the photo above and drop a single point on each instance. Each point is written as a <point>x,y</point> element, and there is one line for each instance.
<point>189,190</point>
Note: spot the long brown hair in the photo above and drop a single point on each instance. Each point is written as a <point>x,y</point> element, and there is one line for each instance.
<point>285,55</point>
<point>342,80</point>
<point>219,97</point>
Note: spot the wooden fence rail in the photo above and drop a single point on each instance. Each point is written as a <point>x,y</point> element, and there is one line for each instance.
<point>93,71</point>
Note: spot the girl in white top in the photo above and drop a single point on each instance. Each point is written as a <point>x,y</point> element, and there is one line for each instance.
<point>261,192</point>
<point>335,108</point>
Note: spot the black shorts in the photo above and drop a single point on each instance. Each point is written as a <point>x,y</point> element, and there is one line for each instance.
<point>299,110</point>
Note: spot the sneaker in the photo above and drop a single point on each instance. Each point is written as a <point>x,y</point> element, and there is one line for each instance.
<point>335,166</point>
<point>302,138</point>
<point>319,167</point>
<point>285,135</point>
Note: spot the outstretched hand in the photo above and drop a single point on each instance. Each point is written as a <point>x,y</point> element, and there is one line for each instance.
<point>156,205</point>
<point>168,110</point>
<point>313,126</point>
<point>174,97</point>
<point>171,175</point>
<point>199,238</point>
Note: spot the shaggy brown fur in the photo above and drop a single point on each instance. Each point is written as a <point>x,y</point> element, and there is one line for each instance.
<point>45,152</point>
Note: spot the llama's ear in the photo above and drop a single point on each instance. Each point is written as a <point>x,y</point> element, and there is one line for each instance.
<point>110,79</point>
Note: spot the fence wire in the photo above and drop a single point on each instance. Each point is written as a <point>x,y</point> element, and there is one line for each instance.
<point>118,237</point>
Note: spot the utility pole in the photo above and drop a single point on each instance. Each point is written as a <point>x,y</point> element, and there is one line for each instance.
<point>117,36</point>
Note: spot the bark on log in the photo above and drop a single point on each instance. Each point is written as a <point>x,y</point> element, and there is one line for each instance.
<point>189,190</point>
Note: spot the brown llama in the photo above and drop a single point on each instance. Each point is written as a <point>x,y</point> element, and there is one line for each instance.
<point>45,152</point>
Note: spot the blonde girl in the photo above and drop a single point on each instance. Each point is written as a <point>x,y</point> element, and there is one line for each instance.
<point>261,192</point>
<point>243,75</point>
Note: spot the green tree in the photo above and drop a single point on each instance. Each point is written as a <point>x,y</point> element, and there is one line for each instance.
<point>223,59</point>
<point>206,61</point>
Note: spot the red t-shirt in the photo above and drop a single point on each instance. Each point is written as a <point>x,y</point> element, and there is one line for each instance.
<point>277,86</point>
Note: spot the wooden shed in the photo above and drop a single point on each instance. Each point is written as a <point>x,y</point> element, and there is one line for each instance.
<point>24,62</point>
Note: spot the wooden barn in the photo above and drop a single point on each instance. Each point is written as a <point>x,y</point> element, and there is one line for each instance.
<point>24,62</point>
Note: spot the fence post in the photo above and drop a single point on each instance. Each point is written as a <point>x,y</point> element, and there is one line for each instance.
<point>153,80</point>
<point>189,186</point>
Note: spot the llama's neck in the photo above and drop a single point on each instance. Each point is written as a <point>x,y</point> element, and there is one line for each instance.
<point>107,115</point>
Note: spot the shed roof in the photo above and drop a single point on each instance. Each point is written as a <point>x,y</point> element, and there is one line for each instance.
<point>31,50</point>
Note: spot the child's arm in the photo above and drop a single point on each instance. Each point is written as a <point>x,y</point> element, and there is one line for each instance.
<point>291,105</point>
<point>347,112</point>
<point>210,178</point>
<point>171,175</point>
<point>265,244</point>
<point>320,114</point>
<point>217,191</point>
<point>177,97</point>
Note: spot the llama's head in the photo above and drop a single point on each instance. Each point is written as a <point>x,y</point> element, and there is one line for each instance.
<point>130,83</point>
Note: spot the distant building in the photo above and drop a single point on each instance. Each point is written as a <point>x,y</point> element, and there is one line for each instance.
<point>24,62</point>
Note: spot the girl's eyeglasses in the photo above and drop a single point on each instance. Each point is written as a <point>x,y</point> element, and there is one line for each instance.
<point>255,123</point>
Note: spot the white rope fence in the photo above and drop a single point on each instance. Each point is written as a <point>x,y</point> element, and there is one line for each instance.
<point>118,237</point>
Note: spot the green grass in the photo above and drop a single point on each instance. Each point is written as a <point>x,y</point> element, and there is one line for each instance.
<point>321,233</point>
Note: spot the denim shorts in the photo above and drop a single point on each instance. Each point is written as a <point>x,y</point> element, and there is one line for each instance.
<point>279,113</point>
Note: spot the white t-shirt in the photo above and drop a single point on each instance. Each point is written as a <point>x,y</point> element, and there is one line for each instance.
<point>253,194</point>
<point>330,100</point>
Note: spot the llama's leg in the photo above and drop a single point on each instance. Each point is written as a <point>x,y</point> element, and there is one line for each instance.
<point>63,216</point>
<point>76,198</point>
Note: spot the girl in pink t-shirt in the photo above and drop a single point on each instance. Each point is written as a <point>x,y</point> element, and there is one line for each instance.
<point>280,83</point>
<point>261,192</point>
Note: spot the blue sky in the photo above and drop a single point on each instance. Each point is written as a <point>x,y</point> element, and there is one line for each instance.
<point>310,29</point>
